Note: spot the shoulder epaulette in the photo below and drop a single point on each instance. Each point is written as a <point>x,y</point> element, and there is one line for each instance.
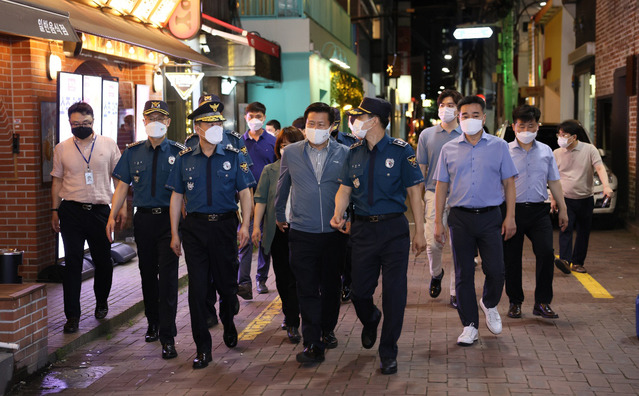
<point>355,145</point>
<point>233,133</point>
<point>400,142</point>
<point>186,150</point>
<point>135,143</point>
<point>350,135</point>
<point>178,145</point>
<point>230,147</point>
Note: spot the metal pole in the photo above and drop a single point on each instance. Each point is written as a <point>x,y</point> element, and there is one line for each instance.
<point>460,67</point>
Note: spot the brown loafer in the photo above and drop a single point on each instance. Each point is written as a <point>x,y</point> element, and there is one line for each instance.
<point>578,268</point>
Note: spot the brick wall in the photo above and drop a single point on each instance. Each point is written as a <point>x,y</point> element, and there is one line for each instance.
<point>617,36</point>
<point>23,321</point>
<point>24,200</point>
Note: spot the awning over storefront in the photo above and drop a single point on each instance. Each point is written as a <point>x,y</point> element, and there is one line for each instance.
<point>23,18</point>
<point>93,21</point>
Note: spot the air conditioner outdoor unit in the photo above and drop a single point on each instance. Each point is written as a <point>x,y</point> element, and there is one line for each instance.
<point>584,52</point>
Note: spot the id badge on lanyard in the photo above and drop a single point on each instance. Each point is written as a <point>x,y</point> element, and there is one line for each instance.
<point>88,175</point>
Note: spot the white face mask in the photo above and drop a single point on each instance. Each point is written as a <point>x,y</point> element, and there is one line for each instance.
<point>254,124</point>
<point>526,136</point>
<point>357,129</point>
<point>563,142</point>
<point>446,114</point>
<point>317,136</point>
<point>471,126</point>
<point>155,129</point>
<point>214,134</point>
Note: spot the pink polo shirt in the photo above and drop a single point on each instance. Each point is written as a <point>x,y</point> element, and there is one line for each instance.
<point>69,166</point>
<point>577,169</point>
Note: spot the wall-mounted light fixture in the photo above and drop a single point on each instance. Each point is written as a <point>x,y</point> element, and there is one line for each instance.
<point>54,64</point>
<point>158,80</point>
<point>337,56</point>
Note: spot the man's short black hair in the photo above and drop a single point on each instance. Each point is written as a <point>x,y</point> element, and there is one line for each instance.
<point>574,127</point>
<point>299,123</point>
<point>275,124</point>
<point>320,107</point>
<point>456,96</point>
<point>526,113</point>
<point>470,100</point>
<point>255,107</point>
<point>82,108</point>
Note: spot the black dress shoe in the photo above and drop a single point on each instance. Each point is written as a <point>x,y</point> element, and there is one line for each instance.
<point>261,287</point>
<point>436,285</point>
<point>293,334</point>
<point>563,266</point>
<point>514,311</point>
<point>245,290</point>
<point>168,350</point>
<point>544,311</point>
<point>453,301</point>
<point>212,321</point>
<point>388,366</point>
<point>369,333</point>
<point>71,326</point>
<point>283,325</point>
<point>202,360</point>
<point>346,293</point>
<point>311,354</point>
<point>230,336</point>
<point>151,333</point>
<point>101,310</point>
<point>329,339</point>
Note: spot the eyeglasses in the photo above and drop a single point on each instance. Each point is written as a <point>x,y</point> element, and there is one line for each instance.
<point>82,124</point>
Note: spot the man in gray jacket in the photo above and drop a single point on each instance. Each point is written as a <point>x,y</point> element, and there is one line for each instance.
<point>309,172</point>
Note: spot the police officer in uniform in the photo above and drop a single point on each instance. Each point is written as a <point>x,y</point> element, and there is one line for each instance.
<point>377,175</point>
<point>208,177</point>
<point>346,139</point>
<point>146,165</point>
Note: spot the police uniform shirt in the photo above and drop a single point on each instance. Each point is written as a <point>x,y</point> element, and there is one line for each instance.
<point>430,144</point>
<point>394,170</point>
<point>140,164</point>
<point>209,183</point>
<point>475,173</point>
<point>346,139</point>
<point>535,168</point>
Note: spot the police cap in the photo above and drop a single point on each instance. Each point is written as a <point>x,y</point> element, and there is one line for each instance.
<point>374,106</point>
<point>156,106</point>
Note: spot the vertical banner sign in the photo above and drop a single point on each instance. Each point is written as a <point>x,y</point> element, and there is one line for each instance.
<point>93,96</point>
<point>110,109</point>
<point>69,92</point>
<point>185,21</point>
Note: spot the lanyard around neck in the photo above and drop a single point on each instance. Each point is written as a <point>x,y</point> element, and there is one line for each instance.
<point>90,154</point>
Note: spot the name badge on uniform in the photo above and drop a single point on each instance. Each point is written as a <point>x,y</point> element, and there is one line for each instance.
<point>390,163</point>
<point>356,183</point>
<point>88,177</point>
<point>171,160</point>
<point>226,165</point>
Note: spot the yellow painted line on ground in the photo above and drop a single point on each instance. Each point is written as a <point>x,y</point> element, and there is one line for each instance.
<point>263,319</point>
<point>592,285</point>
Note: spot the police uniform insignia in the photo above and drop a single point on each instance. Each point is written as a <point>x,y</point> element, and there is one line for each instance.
<point>412,161</point>
<point>244,151</point>
<point>155,105</point>
<point>356,183</point>
<point>244,167</point>
<point>230,147</point>
<point>400,142</point>
<point>226,165</point>
<point>186,150</point>
<point>214,106</point>
<point>355,145</point>
<point>236,134</point>
<point>207,98</point>
<point>390,163</point>
<point>190,185</point>
<point>179,145</point>
<point>136,179</point>
<point>135,143</point>
<point>171,160</point>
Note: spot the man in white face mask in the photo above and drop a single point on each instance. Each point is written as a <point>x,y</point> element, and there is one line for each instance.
<point>429,146</point>
<point>537,169</point>
<point>477,173</point>
<point>309,172</point>
<point>146,165</point>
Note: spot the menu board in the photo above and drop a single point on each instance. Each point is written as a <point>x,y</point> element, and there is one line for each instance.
<point>69,92</point>
<point>110,109</point>
<point>93,96</point>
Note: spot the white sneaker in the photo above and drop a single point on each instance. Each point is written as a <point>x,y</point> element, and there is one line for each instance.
<point>468,336</point>
<point>493,320</point>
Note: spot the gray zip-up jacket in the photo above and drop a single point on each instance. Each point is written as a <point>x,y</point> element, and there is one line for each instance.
<point>312,203</point>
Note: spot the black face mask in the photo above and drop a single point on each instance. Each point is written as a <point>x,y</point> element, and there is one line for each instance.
<point>82,132</point>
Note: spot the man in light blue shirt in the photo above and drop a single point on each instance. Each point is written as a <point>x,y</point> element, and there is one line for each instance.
<point>429,146</point>
<point>477,173</point>
<point>537,169</point>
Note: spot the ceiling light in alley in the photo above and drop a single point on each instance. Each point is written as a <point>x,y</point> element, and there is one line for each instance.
<point>477,32</point>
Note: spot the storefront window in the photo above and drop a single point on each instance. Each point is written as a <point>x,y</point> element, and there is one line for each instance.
<point>586,103</point>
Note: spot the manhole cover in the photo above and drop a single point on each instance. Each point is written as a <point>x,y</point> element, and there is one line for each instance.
<point>72,378</point>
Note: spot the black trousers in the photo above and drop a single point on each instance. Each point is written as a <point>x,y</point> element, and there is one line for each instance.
<point>158,271</point>
<point>532,221</point>
<point>469,232</point>
<point>76,226</point>
<point>315,263</point>
<point>347,265</point>
<point>580,219</point>
<point>285,279</point>
<point>384,247</point>
<point>210,251</point>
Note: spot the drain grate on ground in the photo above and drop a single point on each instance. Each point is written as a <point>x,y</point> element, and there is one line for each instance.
<point>72,378</point>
